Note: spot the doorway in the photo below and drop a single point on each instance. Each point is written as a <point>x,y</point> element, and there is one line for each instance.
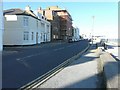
<point>37,38</point>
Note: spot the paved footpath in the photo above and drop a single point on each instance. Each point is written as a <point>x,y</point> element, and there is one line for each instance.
<point>113,49</point>
<point>82,73</point>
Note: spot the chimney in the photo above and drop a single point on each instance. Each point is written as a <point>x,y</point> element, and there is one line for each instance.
<point>39,8</point>
<point>28,8</point>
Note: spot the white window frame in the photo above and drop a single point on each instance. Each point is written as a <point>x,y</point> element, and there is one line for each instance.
<point>25,21</point>
<point>32,37</point>
<point>26,36</point>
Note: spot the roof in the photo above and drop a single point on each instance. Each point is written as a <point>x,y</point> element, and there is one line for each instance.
<point>17,11</point>
<point>64,10</point>
<point>13,12</point>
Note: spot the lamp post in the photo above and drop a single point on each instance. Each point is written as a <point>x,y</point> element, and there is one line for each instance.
<point>92,33</point>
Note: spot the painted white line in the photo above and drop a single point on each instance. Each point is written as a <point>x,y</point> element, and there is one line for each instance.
<point>33,55</point>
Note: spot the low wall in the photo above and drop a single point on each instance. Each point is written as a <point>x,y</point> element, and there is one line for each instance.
<point>110,70</point>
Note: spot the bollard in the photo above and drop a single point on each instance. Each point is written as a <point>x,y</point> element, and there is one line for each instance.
<point>96,45</point>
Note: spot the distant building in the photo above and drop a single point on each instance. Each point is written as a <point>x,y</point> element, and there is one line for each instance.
<point>61,22</point>
<point>76,32</point>
<point>23,27</point>
<point>1,27</point>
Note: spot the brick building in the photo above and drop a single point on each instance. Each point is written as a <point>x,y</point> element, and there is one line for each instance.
<point>65,22</point>
<point>61,22</point>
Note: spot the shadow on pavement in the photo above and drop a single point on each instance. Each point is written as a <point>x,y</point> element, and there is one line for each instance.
<point>86,56</point>
<point>88,82</point>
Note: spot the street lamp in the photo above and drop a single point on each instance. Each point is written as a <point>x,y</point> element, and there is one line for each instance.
<point>92,33</point>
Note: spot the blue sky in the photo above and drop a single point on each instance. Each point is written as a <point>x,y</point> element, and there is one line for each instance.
<point>106,15</point>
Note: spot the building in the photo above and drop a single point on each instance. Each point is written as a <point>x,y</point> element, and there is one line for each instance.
<point>61,22</point>
<point>23,27</point>
<point>65,22</point>
<point>45,29</point>
<point>76,32</point>
<point>1,27</point>
<point>53,18</point>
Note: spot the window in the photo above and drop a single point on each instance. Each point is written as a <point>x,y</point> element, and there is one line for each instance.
<point>44,37</point>
<point>37,23</point>
<point>42,25</point>
<point>32,36</point>
<point>41,35</point>
<point>53,36</point>
<point>48,28</point>
<point>26,36</point>
<point>25,21</point>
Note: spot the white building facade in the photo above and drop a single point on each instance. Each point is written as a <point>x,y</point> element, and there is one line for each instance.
<point>76,32</point>
<point>1,27</point>
<point>25,28</point>
<point>45,28</point>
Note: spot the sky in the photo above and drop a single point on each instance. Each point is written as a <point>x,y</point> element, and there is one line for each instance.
<point>105,13</point>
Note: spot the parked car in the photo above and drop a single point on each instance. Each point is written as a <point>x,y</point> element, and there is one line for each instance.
<point>102,42</point>
<point>70,40</point>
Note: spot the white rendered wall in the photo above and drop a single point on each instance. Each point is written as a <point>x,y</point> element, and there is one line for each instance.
<point>14,30</point>
<point>1,41</point>
<point>1,27</point>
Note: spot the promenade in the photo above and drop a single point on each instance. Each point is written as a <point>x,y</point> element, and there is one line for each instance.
<point>113,49</point>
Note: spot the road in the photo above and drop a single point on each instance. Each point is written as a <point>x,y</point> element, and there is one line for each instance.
<point>24,64</point>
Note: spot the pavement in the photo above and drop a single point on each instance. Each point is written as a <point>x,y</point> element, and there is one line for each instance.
<point>82,73</point>
<point>113,49</point>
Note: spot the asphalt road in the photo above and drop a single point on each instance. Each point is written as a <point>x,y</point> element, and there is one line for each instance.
<point>21,65</point>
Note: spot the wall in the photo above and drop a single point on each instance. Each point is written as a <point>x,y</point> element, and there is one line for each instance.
<point>1,42</point>
<point>48,14</point>
<point>76,36</point>
<point>14,30</point>
<point>1,27</point>
<point>13,38</point>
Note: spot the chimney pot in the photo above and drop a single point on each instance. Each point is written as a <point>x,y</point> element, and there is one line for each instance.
<point>39,8</point>
<point>28,8</point>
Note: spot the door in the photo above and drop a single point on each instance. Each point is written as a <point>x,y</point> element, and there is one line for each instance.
<point>37,38</point>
